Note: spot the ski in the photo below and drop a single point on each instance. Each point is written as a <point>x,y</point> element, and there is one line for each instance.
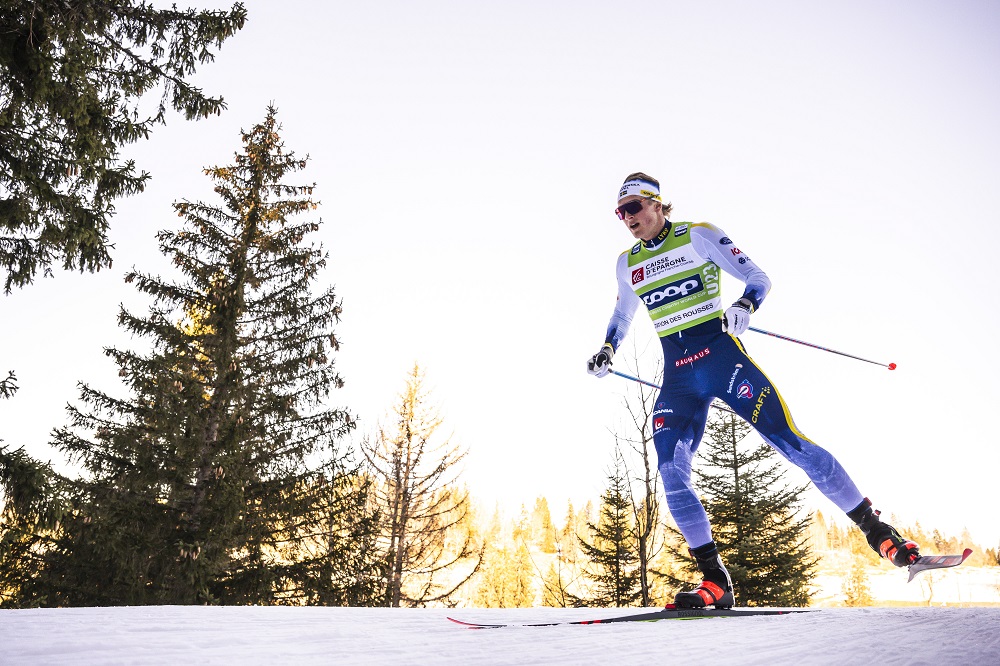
<point>925,562</point>
<point>671,612</point>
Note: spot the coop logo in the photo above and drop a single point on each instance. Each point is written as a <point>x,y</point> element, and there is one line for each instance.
<point>658,423</point>
<point>744,390</point>
<point>764,392</point>
<point>638,275</point>
<point>669,293</point>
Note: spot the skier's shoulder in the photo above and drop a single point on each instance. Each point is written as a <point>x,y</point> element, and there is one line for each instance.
<point>705,230</point>
<point>622,261</point>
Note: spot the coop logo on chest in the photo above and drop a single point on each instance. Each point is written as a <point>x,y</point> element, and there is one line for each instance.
<point>676,290</point>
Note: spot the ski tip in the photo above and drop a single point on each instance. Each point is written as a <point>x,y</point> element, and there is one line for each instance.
<point>892,366</point>
<point>966,553</point>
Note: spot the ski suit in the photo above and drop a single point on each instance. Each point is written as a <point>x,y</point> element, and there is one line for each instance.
<point>675,275</point>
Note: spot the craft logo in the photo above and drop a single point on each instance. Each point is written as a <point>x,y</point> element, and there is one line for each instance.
<point>764,392</point>
<point>725,241</point>
<point>733,378</point>
<point>638,275</point>
<point>680,230</point>
<point>744,390</point>
<point>669,293</point>
<point>692,358</point>
<point>658,423</point>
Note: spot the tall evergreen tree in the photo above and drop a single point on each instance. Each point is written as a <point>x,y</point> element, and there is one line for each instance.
<point>754,517</point>
<point>218,480</point>
<point>71,78</point>
<point>612,551</point>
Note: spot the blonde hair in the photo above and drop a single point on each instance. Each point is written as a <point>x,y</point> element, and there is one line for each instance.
<point>638,175</point>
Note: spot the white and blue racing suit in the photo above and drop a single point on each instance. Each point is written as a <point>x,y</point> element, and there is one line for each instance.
<point>675,276</point>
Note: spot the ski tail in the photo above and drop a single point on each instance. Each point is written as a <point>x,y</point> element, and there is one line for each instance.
<point>925,562</point>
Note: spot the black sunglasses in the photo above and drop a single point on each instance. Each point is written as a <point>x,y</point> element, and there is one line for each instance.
<point>630,208</point>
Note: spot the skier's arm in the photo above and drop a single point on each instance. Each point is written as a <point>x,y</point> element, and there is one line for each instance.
<point>628,302</point>
<point>712,243</point>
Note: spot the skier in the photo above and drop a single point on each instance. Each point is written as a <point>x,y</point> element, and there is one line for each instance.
<point>673,270</point>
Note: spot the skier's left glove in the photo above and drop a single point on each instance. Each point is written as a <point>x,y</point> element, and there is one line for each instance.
<point>736,320</point>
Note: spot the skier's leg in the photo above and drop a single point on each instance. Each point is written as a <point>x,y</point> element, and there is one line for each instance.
<point>678,425</point>
<point>755,398</point>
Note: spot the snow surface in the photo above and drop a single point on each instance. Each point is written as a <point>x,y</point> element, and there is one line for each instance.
<point>283,635</point>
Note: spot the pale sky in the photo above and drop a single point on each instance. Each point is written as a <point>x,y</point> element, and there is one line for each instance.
<point>468,156</point>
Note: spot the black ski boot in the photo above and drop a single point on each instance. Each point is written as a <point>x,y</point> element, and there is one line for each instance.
<point>716,589</point>
<point>883,537</point>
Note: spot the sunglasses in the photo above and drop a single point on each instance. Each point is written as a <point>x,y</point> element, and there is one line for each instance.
<point>630,208</point>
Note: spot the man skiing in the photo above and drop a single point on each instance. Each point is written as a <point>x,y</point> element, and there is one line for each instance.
<point>673,270</point>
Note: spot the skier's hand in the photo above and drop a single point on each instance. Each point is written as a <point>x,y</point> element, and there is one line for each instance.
<point>600,363</point>
<point>736,320</point>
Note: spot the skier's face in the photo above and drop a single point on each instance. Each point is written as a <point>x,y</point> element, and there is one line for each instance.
<point>645,223</point>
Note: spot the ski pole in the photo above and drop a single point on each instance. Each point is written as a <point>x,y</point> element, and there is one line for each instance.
<point>891,366</point>
<point>636,379</point>
<point>657,386</point>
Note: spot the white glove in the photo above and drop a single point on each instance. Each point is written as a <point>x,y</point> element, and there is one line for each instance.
<point>600,363</point>
<point>736,320</point>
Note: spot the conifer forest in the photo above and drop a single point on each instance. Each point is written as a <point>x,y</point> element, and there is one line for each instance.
<point>226,469</point>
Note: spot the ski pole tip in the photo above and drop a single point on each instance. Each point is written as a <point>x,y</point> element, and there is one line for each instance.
<point>892,366</point>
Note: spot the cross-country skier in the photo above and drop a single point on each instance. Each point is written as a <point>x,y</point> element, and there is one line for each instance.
<point>673,270</point>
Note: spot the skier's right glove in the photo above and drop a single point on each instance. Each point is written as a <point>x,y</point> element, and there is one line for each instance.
<point>600,363</point>
<point>736,319</point>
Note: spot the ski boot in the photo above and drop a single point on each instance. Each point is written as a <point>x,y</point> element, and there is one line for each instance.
<point>716,589</point>
<point>883,537</point>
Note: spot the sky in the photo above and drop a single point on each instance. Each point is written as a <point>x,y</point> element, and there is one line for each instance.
<point>311,635</point>
<point>467,157</point>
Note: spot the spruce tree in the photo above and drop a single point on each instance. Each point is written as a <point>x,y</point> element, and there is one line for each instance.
<point>221,477</point>
<point>754,516</point>
<point>612,550</point>
<point>72,75</point>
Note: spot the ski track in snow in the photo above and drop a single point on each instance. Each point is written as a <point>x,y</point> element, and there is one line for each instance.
<point>269,635</point>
